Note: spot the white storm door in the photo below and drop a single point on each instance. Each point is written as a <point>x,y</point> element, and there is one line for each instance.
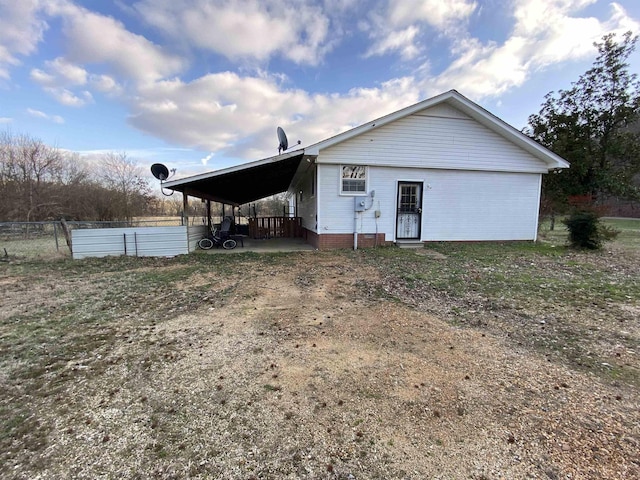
<point>409,216</point>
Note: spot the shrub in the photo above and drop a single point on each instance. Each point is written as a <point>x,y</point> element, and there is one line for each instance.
<point>586,230</point>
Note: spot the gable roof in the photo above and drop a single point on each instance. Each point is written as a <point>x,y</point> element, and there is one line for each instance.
<point>463,104</point>
<point>254,180</point>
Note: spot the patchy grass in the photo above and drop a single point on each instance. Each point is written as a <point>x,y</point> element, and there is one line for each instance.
<point>582,307</point>
<point>283,365</point>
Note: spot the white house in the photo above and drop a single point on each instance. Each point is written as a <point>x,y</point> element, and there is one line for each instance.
<point>444,169</point>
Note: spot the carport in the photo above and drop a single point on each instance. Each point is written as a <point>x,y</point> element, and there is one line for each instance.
<point>246,183</point>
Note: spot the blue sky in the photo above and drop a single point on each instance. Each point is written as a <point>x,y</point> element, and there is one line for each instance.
<point>202,84</point>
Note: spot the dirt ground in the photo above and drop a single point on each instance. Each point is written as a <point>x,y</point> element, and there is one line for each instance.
<point>307,369</point>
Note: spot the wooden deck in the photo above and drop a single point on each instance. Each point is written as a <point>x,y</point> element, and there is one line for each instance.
<point>275,227</point>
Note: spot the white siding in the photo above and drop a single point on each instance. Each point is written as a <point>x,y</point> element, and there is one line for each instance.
<point>480,206</point>
<point>137,241</point>
<point>440,137</point>
<point>443,110</point>
<point>457,205</point>
<point>307,207</point>
<point>335,213</point>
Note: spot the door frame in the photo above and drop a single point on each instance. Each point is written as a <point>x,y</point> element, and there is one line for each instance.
<point>399,183</point>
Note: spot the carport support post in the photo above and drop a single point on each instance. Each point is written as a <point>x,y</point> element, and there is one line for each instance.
<point>185,210</point>
<point>208,207</point>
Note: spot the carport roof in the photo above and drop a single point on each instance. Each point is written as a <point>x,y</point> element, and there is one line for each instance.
<point>243,183</point>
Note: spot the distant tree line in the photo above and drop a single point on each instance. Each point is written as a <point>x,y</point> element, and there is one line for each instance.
<point>41,182</point>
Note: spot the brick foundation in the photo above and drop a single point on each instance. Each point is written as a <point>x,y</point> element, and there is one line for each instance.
<point>329,241</point>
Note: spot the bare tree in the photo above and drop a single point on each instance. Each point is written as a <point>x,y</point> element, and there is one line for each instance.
<point>27,168</point>
<point>39,182</point>
<point>273,206</point>
<point>122,175</point>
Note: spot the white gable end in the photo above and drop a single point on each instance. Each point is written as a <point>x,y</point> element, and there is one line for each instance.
<point>439,137</point>
<point>443,110</point>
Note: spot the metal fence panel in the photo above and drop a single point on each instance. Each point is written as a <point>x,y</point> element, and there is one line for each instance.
<point>34,240</point>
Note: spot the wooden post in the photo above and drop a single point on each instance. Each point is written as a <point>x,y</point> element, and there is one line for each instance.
<point>208,208</point>
<point>185,208</point>
<point>67,233</point>
<point>185,214</point>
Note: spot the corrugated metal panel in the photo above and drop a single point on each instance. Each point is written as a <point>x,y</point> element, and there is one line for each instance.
<point>140,241</point>
<point>195,234</point>
<point>424,141</point>
<point>457,205</point>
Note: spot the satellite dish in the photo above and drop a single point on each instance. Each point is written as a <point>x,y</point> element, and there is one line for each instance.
<point>282,139</point>
<point>160,171</point>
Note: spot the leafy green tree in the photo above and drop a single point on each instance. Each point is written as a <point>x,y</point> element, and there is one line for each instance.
<point>594,125</point>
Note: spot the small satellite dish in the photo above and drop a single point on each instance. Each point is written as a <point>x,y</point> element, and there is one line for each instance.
<point>160,171</point>
<point>282,139</point>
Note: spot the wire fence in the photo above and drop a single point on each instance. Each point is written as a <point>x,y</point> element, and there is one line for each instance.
<point>47,240</point>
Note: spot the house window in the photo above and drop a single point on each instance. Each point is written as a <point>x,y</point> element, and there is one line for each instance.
<point>354,179</point>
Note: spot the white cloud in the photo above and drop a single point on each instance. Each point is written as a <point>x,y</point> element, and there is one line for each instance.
<point>546,32</point>
<point>67,71</point>
<point>60,73</point>
<point>402,41</point>
<point>45,116</point>
<point>440,14</point>
<point>100,40</point>
<point>245,29</point>
<point>63,76</point>
<point>105,84</point>
<point>238,116</point>
<point>6,120</point>
<point>398,26</point>
<point>68,98</point>
<point>43,78</point>
<point>206,159</point>
<point>20,31</point>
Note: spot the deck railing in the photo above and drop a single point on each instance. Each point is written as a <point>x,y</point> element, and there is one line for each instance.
<point>275,227</point>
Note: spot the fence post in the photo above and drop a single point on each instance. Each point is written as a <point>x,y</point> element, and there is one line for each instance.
<point>55,235</point>
<point>67,233</point>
